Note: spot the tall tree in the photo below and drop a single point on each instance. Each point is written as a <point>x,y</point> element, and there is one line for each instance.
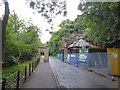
<point>4,25</point>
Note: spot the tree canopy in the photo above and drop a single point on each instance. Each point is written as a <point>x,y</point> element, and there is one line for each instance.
<point>49,9</point>
<point>22,40</point>
<point>100,22</point>
<point>67,27</point>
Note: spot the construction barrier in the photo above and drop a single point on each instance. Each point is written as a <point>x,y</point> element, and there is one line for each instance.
<point>59,56</point>
<point>115,69</point>
<point>77,58</point>
<point>98,62</point>
<point>72,58</point>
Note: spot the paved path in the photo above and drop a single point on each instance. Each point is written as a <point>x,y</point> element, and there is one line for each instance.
<point>42,77</point>
<point>73,77</point>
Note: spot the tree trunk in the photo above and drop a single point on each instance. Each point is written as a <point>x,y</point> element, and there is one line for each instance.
<point>4,25</point>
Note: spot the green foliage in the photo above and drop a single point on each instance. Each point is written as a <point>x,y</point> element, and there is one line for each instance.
<point>49,9</point>
<point>55,41</point>
<point>22,41</point>
<point>67,27</point>
<point>100,22</point>
<point>12,69</point>
<point>8,71</point>
<point>11,60</point>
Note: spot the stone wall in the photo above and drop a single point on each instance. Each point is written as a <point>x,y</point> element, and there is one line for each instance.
<point>45,50</point>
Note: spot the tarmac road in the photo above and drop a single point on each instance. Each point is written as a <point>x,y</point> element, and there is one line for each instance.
<point>73,77</point>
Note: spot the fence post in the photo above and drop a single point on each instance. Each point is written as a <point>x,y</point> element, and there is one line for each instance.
<point>37,61</point>
<point>25,73</point>
<point>32,67</point>
<point>35,64</point>
<point>18,79</point>
<point>29,69</point>
<point>3,83</point>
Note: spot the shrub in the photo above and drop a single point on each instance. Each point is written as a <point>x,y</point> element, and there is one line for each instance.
<point>10,61</point>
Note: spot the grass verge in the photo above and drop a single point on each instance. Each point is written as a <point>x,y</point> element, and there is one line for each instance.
<point>21,67</point>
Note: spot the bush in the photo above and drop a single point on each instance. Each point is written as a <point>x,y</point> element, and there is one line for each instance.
<point>25,57</point>
<point>10,61</point>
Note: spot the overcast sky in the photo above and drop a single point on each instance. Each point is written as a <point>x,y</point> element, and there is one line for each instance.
<point>24,12</point>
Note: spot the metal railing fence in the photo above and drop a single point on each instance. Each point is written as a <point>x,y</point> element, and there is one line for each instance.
<point>18,78</point>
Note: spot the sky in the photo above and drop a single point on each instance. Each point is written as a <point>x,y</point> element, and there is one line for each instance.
<point>24,12</point>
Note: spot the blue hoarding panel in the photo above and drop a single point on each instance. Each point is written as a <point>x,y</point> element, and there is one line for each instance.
<point>59,56</point>
<point>98,60</point>
<point>72,58</point>
<point>83,57</point>
<point>68,58</point>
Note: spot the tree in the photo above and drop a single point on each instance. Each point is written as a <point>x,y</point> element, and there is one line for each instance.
<point>49,9</point>
<point>67,28</point>
<point>100,21</point>
<point>4,25</point>
<point>22,40</point>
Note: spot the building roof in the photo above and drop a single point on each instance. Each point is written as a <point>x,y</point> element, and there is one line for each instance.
<point>80,43</point>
